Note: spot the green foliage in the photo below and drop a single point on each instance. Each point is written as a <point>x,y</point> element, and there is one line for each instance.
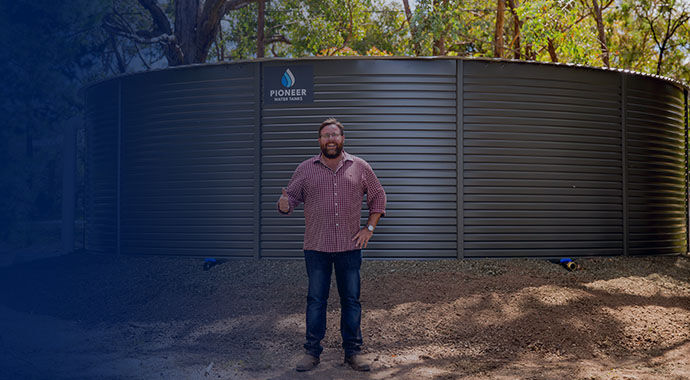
<point>338,23</point>
<point>562,30</point>
<point>667,24</point>
<point>241,23</point>
<point>630,39</point>
<point>466,28</point>
<point>387,32</point>
<point>305,28</point>
<point>119,54</point>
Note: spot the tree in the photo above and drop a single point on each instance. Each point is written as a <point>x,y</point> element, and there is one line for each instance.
<point>260,29</point>
<point>239,34</point>
<point>298,28</point>
<point>120,54</point>
<point>189,38</point>
<point>596,11</point>
<point>498,34</point>
<point>664,19</point>
<point>561,30</point>
<point>413,29</point>
<point>329,27</point>
<point>463,28</point>
<point>517,25</point>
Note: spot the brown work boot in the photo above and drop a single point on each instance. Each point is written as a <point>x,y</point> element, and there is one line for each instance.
<point>357,362</point>
<point>307,363</point>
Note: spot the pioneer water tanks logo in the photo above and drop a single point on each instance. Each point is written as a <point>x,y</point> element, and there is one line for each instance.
<point>288,79</point>
<point>288,85</point>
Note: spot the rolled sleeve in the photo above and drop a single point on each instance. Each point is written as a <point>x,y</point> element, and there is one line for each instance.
<point>376,196</point>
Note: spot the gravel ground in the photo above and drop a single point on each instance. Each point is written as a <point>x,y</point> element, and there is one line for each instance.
<point>108,317</point>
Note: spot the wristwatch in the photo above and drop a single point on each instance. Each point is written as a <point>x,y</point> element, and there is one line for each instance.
<point>370,228</point>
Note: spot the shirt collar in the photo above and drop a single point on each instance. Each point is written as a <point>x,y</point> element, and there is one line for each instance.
<point>346,157</point>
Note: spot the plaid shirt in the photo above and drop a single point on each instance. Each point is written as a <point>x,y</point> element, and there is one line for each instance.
<point>333,201</point>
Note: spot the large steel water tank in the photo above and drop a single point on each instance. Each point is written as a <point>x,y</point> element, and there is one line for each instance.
<point>480,158</point>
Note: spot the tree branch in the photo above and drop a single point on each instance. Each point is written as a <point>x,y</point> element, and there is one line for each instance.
<point>141,57</point>
<point>209,18</point>
<point>278,38</point>
<point>563,31</point>
<point>121,66</point>
<point>233,5</point>
<point>679,22</point>
<point>163,38</point>
<point>116,24</point>
<point>552,50</point>
<point>413,29</point>
<point>517,25</point>
<point>160,20</point>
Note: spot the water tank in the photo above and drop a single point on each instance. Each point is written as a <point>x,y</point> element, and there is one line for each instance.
<point>479,158</point>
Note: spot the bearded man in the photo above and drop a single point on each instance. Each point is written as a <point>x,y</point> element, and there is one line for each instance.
<point>332,186</point>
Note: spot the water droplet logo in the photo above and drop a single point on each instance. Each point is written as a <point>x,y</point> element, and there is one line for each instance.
<point>288,80</point>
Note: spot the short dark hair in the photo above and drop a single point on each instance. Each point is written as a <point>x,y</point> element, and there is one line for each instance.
<point>334,121</point>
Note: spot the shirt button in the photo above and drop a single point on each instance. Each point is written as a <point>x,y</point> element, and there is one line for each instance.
<point>336,224</point>
<point>335,193</point>
<point>336,204</point>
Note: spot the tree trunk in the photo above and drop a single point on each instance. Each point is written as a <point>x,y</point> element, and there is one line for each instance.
<point>439,45</point>
<point>515,44</point>
<point>498,33</point>
<point>413,30</point>
<point>260,30</point>
<point>530,55</point>
<point>220,48</point>
<point>661,60</point>
<point>671,27</point>
<point>552,51</point>
<point>196,26</point>
<point>596,10</point>
<point>186,16</point>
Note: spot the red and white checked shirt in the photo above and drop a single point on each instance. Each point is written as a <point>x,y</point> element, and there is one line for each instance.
<point>333,201</point>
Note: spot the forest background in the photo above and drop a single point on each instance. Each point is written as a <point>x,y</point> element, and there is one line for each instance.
<point>50,50</point>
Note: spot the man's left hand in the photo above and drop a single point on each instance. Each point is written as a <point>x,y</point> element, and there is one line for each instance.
<point>363,237</point>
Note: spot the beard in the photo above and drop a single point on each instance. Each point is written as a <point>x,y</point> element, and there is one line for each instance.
<point>332,152</point>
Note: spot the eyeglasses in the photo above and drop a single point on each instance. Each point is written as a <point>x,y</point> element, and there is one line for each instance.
<point>329,135</point>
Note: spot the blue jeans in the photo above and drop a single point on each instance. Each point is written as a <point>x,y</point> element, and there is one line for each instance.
<point>319,268</point>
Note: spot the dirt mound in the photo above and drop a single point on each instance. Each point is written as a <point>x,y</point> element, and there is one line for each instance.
<point>623,317</point>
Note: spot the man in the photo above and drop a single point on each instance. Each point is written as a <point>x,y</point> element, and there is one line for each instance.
<point>332,186</point>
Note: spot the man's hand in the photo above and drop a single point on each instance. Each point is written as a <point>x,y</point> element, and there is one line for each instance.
<point>284,202</point>
<point>363,237</point>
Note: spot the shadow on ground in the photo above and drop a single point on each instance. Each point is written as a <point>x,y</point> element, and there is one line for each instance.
<point>432,319</point>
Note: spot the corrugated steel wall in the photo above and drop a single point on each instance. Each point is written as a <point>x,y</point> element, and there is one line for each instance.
<point>478,158</point>
<point>400,117</point>
<point>542,161</point>
<point>656,169</point>
<point>102,117</point>
<point>188,152</point>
